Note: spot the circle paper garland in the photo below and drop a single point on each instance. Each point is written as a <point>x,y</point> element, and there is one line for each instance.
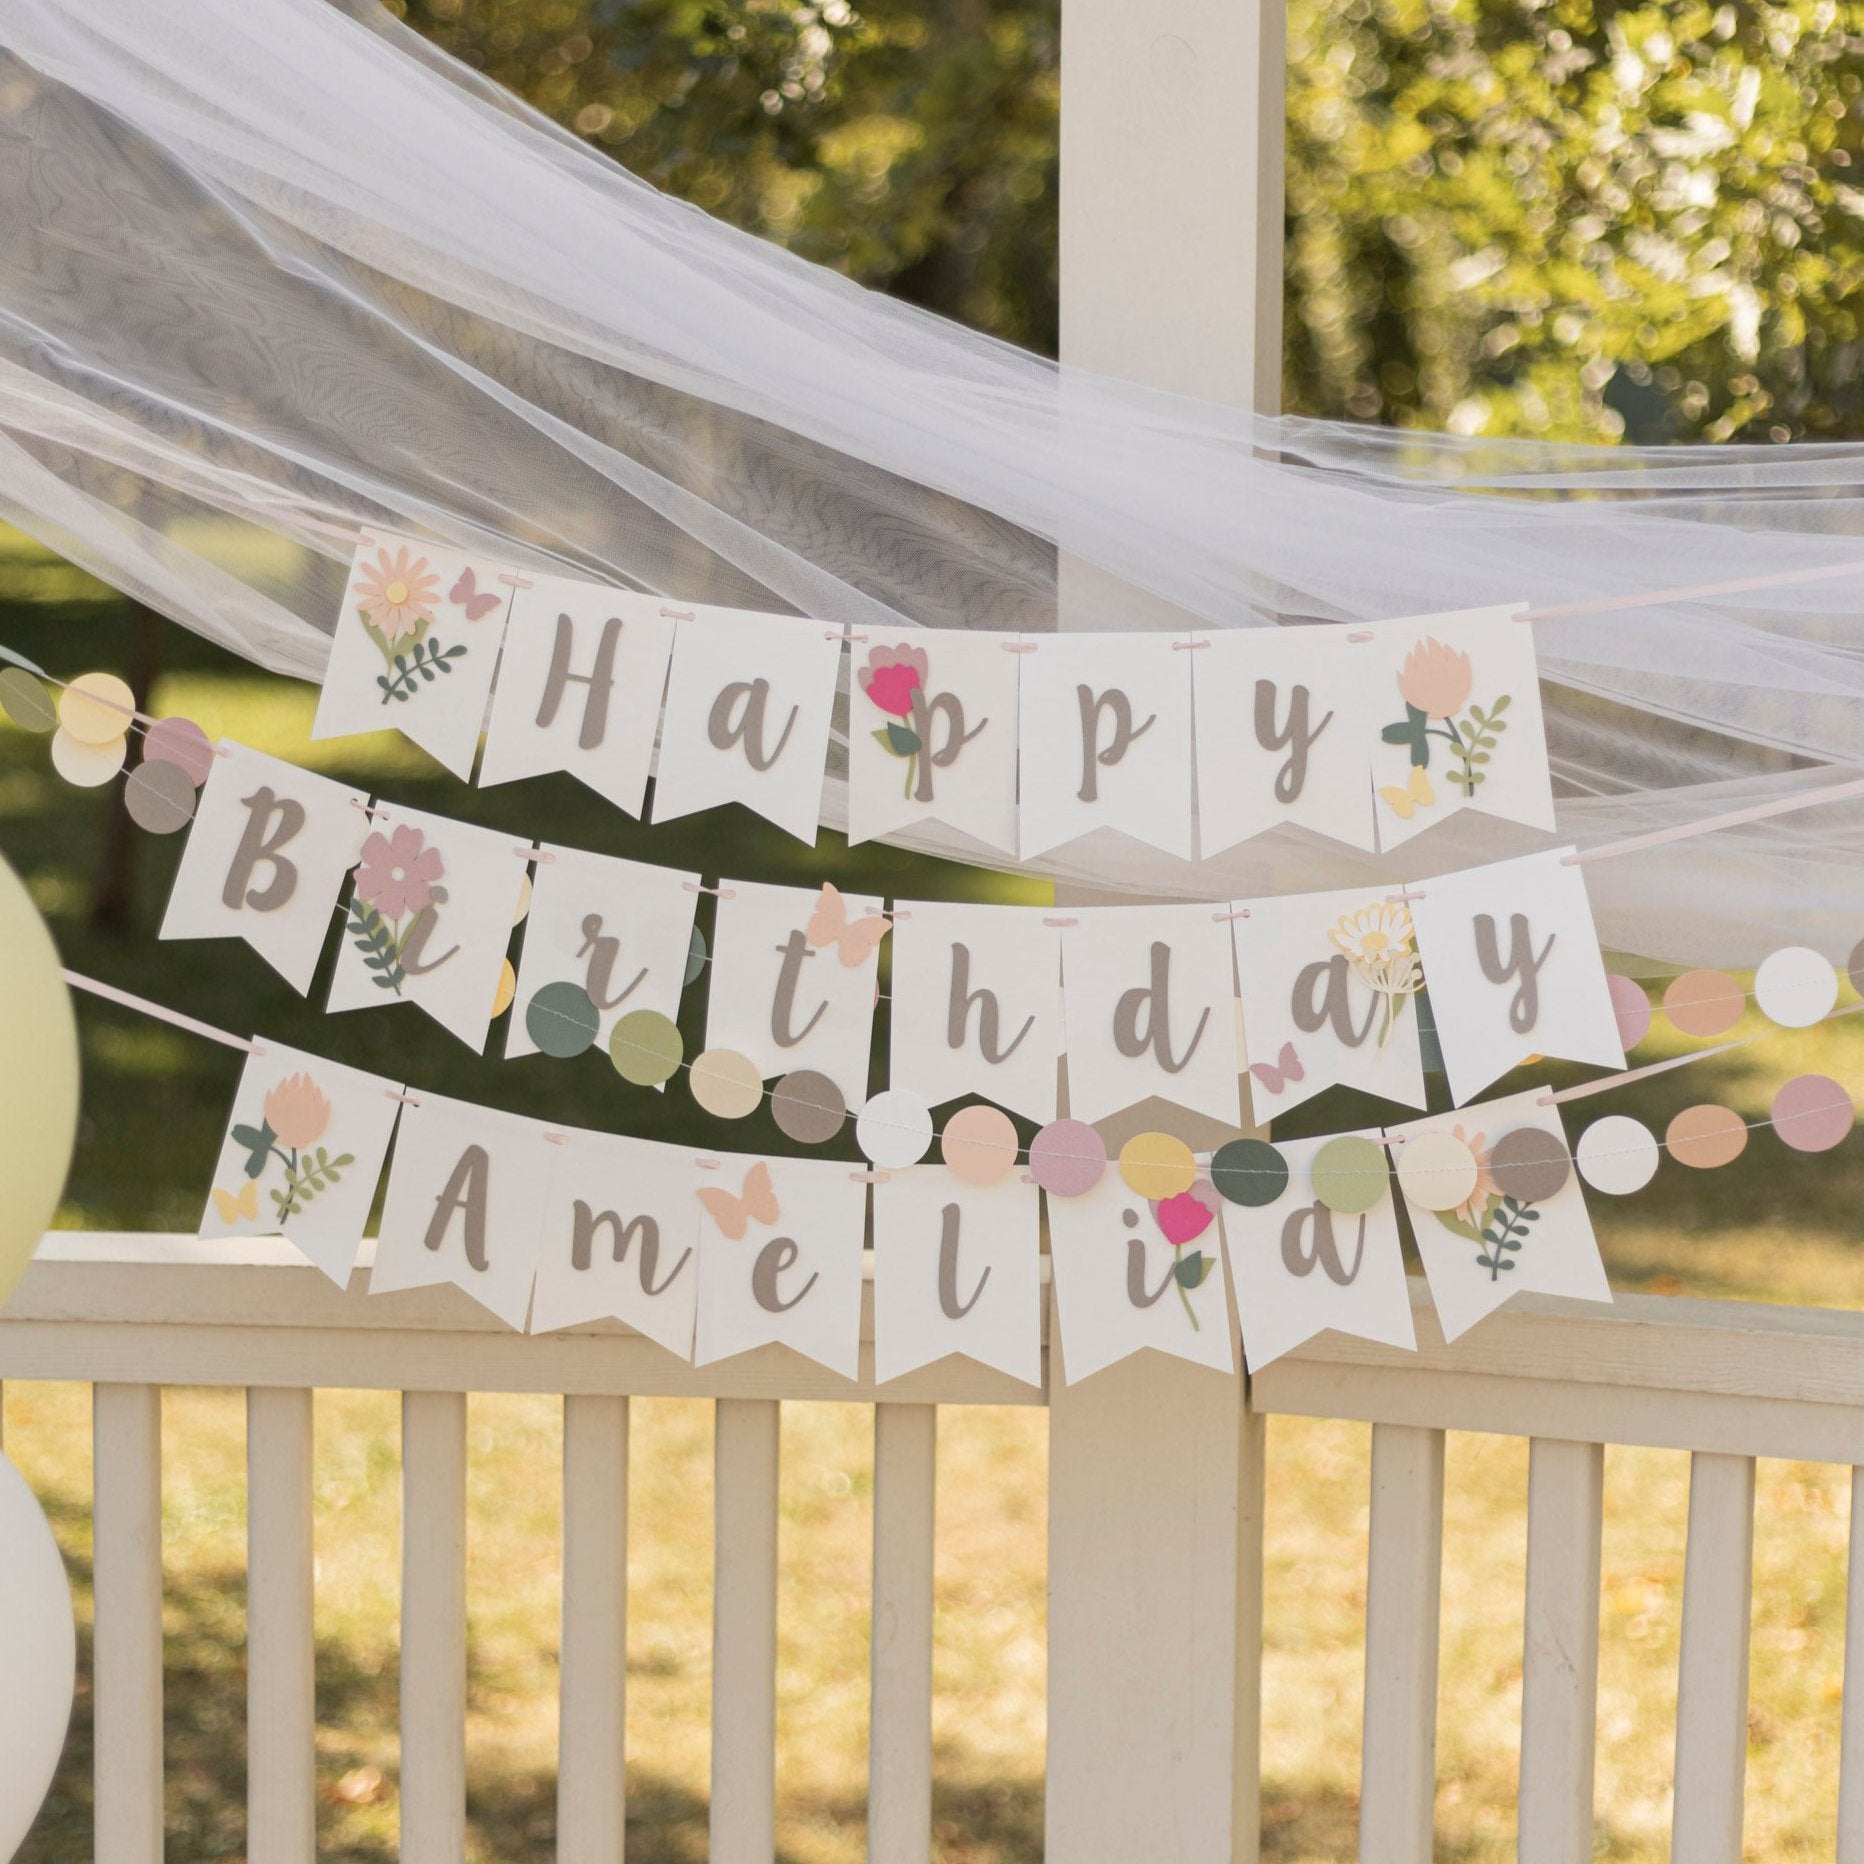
<point>159,798</point>
<point>1530,1164</point>
<point>96,707</point>
<point>1795,987</point>
<point>26,702</point>
<point>894,1130</point>
<point>87,766</point>
<point>1706,1136</point>
<point>1632,1008</point>
<point>1249,1172</point>
<point>808,1107</point>
<point>562,1020</point>
<point>1704,1003</point>
<point>979,1145</point>
<point>182,743</point>
<point>695,956</point>
<point>1067,1158</point>
<point>646,1048</point>
<point>726,1084</point>
<point>507,989</point>
<point>1157,1165</point>
<point>1616,1155</point>
<point>1348,1174</point>
<point>1813,1113</point>
<point>1437,1171</point>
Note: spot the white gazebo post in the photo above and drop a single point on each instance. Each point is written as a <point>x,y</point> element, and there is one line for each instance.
<point>1171,263</point>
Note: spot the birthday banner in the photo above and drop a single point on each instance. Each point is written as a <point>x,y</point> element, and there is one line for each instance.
<point>1023,743</point>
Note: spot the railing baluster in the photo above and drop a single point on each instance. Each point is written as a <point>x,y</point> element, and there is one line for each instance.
<point>127,1648</point>
<point>1398,1763</point>
<point>899,1741</point>
<point>1851,1742</point>
<point>281,1667</point>
<point>591,1772</point>
<point>433,1627</point>
<point>1560,1687</point>
<point>1712,1691</point>
<point>744,1633</point>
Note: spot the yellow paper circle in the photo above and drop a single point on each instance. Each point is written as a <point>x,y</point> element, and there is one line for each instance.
<point>524,901</point>
<point>96,707</point>
<point>726,1084</point>
<point>87,765</point>
<point>507,989</point>
<point>1156,1165</point>
<point>1436,1171</point>
<point>38,1080</point>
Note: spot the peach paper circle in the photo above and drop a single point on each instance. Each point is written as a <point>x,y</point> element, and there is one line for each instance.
<point>1812,1113</point>
<point>1704,1003</point>
<point>1706,1136</point>
<point>979,1145</point>
<point>726,1084</point>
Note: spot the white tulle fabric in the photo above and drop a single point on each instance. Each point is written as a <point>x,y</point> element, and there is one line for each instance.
<point>272,267</point>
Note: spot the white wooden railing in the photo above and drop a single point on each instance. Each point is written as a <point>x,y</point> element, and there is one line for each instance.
<point>1724,1381</point>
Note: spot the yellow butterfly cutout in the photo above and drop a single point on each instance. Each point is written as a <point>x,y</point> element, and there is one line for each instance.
<point>246,1205</point>
<point>829,925</point>
<point>733,1214</point>
<point>1415,795</point>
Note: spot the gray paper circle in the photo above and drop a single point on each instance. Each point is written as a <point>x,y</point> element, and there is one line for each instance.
<point>808,1107</point>
<point>159,798</point>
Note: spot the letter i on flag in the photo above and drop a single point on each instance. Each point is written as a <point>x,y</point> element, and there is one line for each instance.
<point>579,688</point>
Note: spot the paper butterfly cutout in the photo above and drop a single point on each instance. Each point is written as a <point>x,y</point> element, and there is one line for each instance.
<point>233,1209</point>
<point>467,594</point>
<point>1416,794</point>
<point>829,925</point>
<point>757,1199</point>
<point>1275,1075</point>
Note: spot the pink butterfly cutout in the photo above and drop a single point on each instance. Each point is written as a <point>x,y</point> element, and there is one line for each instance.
<point>755,1202</point>
<point>1275,1075</point>
<point>467,594</point>
<point>829,924</point>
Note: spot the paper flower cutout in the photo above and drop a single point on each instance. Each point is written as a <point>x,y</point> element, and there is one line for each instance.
<point>894,678</point>
<point>298,1111</point>
<point>1435,678</point>
<point>296,1114</point>
<point>1379,944</point>
<point>398,890</point>
<point>396,596</point>
<point>1435,683</point>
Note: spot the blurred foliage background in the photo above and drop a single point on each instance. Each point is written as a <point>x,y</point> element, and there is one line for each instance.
<point>1559,218</point>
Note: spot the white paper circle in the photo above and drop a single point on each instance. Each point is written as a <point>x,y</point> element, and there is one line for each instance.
<point>1617,1155</point>
<point>87,766</point>
<point>1437,1171</point>
<point>894,1129</point>
<point>38,1658</point>
<point>1796,987</point>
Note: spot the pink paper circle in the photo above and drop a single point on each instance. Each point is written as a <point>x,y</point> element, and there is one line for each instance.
<point>1812,1113</point>
<point>181,742</point>
<point>1067,1158</point>
<point>1632,1008</point>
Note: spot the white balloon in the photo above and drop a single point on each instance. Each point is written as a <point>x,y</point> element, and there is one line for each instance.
<point>894,1129</point>
<point>1795,987</point>
<point>38,1657</point>
<point>1617,1155</point>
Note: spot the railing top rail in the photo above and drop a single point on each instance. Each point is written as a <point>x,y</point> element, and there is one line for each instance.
<point>1650,1368</point>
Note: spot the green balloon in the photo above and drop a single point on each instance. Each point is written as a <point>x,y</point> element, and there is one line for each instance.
<point>646,1048</point>
<point>1250,1172</point>
<point>562,1020</point>
<point>1349,1174</point>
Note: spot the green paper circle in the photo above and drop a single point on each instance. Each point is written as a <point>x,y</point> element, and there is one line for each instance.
<point>1250,1172</point>
<point>25,700</point>
<point>695,956</point>
<point>1348,1174</point>
<point>646,1048</point>
<point>562,1020</point>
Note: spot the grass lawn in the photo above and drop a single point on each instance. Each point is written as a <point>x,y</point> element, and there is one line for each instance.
<point>1772,1227</point>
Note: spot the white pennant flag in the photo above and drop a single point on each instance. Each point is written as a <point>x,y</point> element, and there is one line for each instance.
<point>1328,982</point>
<point>977,1005</point>
<point>429,920</point>
<point>1151,1009</point>
<point>1523,1224</point>
<point>932,734</point>
<point>1461,726</point>
<point>1129,1274</point>
<point>1302,1268</point>
<point>780,1260</point>
<point>620,1240</point>
<point>1105,739</point>
<point>1286,718</point>
<point>747,716</point>
<point>415,647</point>
<point>265,860</point>
<point>794,975</point>
<point>466,1195</point>
<point>957,1269</point>
<point>1511,959</point>
<point>622,930</point>
<point>579,688</point>
<point>302,1155</point>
